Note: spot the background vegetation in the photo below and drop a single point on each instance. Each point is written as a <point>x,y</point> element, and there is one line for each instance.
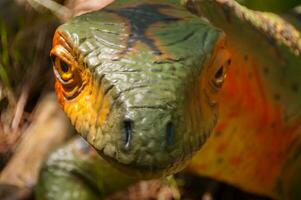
<point>270,5</point>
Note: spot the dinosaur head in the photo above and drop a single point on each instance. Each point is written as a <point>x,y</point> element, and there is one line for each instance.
<point>139,82</point>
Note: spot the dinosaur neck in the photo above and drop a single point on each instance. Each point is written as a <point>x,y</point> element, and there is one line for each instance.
<point>256,143</point>
<point>248,147</point>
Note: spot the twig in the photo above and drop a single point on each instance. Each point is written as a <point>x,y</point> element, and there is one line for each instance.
<point>49,129</point>
<point>79,7</point>
<point>20,108</point>
<point>57,9</point>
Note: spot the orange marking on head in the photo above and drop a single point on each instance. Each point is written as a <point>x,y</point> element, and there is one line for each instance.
<point>89,108</point>
<point>158,42</point>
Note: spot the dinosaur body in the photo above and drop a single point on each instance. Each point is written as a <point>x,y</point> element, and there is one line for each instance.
<point>255,144</point>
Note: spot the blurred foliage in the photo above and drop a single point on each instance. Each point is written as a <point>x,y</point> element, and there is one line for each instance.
<point>271,5</point>
<point>294,17</point>
<point>25,72</point>
<point>25,40</point>
<point>7,54</point>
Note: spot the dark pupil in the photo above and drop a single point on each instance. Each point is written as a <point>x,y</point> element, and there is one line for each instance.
<point>219,73</point>
<point>64,67</point>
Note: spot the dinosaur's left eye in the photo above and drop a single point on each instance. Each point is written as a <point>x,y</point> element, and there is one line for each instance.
<point>220,74</point>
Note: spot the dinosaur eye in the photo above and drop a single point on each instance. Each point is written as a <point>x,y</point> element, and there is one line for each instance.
<point>63,70</point>
<point>64,67</point>
<point>68,76</point>
<point>219,77</point>
<point>220,73</point>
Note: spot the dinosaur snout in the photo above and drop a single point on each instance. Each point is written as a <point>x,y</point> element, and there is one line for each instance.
<point>127,133</point>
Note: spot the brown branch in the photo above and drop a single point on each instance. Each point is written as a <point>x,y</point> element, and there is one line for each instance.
<point>49,129</point>
<point>79,7</point>
<point>20,108</point>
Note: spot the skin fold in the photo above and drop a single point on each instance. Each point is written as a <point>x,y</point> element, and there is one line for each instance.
<point>141,81</point>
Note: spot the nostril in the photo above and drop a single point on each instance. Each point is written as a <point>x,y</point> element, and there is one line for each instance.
<point>127,133</point>
<point>169,133</point>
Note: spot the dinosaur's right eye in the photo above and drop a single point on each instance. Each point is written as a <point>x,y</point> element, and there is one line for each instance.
<point>62,69</point>
<point>65,68</point>
<point>68,76</point>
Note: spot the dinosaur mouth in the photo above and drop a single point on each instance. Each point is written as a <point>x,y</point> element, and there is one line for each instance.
<point>148,171</point>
